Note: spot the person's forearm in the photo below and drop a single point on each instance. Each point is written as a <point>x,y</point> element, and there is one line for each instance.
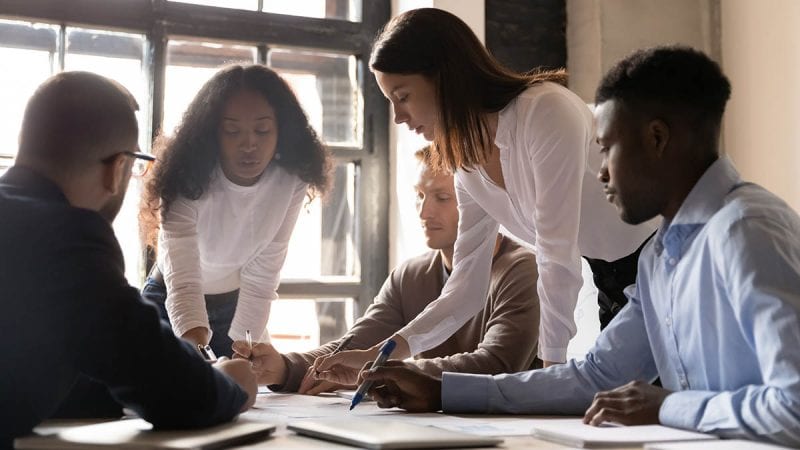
<point>483,360</point>
<point>559,390</point>
<point>197,336</point>
<point>752,412</point>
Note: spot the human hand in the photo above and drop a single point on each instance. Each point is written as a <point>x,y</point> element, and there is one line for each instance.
<point>268,364</point>
<point>635,403</point>
<point>197,335</point>
<point>397,384</point>
<point>312,386</point>
<point>240,371</point>
<point>343,367</point>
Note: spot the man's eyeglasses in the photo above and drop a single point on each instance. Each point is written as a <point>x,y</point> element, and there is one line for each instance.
<point>142,164</point>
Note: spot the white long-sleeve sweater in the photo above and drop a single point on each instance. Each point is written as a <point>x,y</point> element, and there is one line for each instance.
<point>233,237</point>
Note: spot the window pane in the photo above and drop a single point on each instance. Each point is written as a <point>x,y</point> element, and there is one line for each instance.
<point>30,53</point>
<point>118,56</point>
<point>327,229</point>
<point>189,65</point>
<point>335,317</point>
<point>331,9</point>
<point>327,87</point>
<point>5,163</point>
<point>300,325</point>
<point>252,5</point>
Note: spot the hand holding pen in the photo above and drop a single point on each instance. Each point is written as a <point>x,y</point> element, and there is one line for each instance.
<point>265,360</point>
<point>207,353</point>
<point>383,356</point>
<point>311,385</point>
<point>398,384</point>
<point>339,348</point>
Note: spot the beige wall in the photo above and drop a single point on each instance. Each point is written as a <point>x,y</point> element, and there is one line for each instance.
<point>600,32</point>
<point>758,45</point>
<point>761,56</point>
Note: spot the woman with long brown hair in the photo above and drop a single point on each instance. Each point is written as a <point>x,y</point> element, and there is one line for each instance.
<point>222,203</point>
<point>519,145</point>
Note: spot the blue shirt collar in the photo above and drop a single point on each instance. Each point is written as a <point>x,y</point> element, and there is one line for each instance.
<point>708,194</point>
<point>704,200</point>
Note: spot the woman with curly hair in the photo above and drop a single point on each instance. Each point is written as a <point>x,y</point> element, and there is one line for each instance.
<point>222,202</point>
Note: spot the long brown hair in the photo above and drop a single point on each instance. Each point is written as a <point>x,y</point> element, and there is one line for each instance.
<point>469,81</point>
<point>186,161</point>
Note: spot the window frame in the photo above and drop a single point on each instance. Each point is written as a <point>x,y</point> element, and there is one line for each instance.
<point>159,20</point>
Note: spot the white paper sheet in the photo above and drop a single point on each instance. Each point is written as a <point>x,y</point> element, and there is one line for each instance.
<point>721,444</point>
<point>575,432</point>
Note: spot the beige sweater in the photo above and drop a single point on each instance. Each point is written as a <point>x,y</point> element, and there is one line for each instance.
<point>503,338</point>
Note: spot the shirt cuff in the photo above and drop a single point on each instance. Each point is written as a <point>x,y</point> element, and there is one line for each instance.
<point>465,392</point>
<point>183,327</point>
<point>681,409</point>
<point>420,342</point>
<point>558,355</point>
<point>296,368</point>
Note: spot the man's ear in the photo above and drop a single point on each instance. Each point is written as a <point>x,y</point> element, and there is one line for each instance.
<point>113,173</point>
<point>658,134</point>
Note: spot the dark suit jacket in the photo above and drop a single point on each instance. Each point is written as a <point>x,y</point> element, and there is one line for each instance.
<point>69,319</point>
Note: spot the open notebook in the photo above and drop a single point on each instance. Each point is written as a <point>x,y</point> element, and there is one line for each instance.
<point>136,433</point>
<point>388,434</point>
<point>575,433</point>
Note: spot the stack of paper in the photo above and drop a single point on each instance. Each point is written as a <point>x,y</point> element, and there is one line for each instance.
<point>575,433</point>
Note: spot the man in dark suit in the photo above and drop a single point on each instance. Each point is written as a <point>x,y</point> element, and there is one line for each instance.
<point>77,339</point>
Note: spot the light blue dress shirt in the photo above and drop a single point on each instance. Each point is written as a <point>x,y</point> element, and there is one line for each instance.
<point>715,313</point>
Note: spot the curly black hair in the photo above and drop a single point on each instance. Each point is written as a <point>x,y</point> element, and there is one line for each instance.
<point>669,77</point>
<point>186,160</point>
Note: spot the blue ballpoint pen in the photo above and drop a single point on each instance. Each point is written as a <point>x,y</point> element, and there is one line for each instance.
<point>386,350</point>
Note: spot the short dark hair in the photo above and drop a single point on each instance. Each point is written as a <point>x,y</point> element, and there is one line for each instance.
<point>76,116</point>
<point>675,77</point>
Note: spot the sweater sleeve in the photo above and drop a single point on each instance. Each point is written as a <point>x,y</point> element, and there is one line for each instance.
<point>381,320</point>
<point>510,332</point>
<point>179,260</point>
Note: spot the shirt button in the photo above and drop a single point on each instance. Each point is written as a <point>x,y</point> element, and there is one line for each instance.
<point>668,321</point>
<point>672,261</point>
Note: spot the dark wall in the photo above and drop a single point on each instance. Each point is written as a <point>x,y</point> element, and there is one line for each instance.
<point>526,34</point>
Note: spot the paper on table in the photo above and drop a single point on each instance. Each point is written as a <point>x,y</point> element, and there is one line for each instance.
<point>282,407</point>
<point>347,393</point>
<point>482,426</point>
<point>575,432</point>
<point>722,444</point>
<point>295,406</point>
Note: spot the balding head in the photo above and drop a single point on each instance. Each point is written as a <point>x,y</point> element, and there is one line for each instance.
<point>79,131</point>
<point>75,118</point>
